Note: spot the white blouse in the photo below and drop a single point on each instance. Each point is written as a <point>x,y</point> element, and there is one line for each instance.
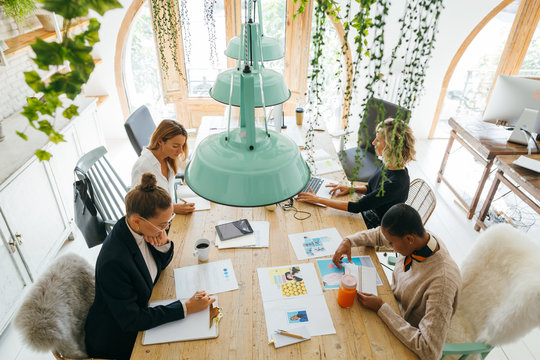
<point>148,162</point>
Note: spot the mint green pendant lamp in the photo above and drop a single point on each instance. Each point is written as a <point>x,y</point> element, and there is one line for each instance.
<point>248,166</point>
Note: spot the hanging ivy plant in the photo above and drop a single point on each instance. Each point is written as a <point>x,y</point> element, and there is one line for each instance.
<point>186,32</point>
<point>210,22</point>
<point>167,29</point>
<point>41,108</point>
<point>18,9</point>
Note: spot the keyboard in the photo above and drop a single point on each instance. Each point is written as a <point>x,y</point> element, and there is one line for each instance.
<point>313,183</point>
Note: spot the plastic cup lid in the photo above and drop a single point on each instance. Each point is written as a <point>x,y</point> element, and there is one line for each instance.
<point>348,281</point>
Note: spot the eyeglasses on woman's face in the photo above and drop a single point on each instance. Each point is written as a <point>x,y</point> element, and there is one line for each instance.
<point>162,226</point>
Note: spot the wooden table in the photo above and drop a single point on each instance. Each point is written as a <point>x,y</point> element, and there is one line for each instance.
<point>242,331</point>
<point>523,182</point>
<point>484,141</point>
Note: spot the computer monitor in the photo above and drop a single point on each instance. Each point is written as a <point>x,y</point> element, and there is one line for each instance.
<point>515,101</point>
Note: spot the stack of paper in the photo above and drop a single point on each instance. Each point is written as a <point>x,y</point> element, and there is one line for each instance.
<point>184,193</point>
<point>213,277</point>
<point>324,163</point>
<point>366,277</point>
<point>192,327</point>
<point>284,340</point>
<point>259,238</point>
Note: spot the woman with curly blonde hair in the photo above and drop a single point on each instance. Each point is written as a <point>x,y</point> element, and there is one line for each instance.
<point>394,143</point>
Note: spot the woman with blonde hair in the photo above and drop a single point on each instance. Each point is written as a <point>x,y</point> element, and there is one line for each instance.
<point>127,268</point>
<point>395,144</point>
<point>162,157</point>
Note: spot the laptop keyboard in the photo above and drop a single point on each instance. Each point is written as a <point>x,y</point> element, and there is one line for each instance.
<point>313,183</point>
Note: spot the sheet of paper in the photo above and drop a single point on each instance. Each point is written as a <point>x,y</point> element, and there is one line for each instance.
<point>292,297</point>
<point>331,274</point>
<point>287,281</point>
<point>311,312</point>
<point>213,277</point>
<point>369,280</point>
<point>528,163</point>
<point>326,166</point>
<point>184,192</point>
<point>314,244</point>
<point>284,340</point>
<point>193,327</point>
<point>260,237</point>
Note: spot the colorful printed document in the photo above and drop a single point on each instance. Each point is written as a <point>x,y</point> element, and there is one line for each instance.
<point>213,277</point>
<point>314,244</point>
<point>331,274</point>
<point>293,298</point>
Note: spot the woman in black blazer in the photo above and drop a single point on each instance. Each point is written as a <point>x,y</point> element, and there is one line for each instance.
<point>128,266</point>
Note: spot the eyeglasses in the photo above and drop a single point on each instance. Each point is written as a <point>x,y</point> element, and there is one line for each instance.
<point>160,228</point>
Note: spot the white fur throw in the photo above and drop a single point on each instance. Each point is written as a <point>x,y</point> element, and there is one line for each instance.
<point>54,311</point>
<point>500,298</point>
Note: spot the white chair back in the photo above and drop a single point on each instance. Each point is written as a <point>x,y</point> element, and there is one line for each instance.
<point>422,199</point>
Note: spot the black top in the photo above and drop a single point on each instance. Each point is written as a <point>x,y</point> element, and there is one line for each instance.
<point>396,190</point>
<point>123,288</point>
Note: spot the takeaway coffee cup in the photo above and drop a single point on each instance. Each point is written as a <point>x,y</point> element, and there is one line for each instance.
<point>299,115</point>
<point>202,249</point>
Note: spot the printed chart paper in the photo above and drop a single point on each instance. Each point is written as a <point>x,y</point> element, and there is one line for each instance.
<point>213,277</point>
<point>259,238</point>
<point>292,297</point>
<point>331,274</point>
<point>314,244</point>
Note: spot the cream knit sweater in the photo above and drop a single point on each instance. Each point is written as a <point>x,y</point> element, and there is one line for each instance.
<point>427,296</point>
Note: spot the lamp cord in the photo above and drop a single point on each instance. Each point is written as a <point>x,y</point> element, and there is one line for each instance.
<point>289,206</point>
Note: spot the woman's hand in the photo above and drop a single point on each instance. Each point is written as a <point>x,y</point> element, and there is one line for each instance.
<point>199,301</point>
<point>339,189</point>
<point>308,197</point>
<point>184,208</point>
<point>370,301</point>
<point>343,249</point>
<point>156,240</point>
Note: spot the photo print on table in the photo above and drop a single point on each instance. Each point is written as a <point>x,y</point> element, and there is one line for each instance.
<point>297,316</point>
<point>289,280</point>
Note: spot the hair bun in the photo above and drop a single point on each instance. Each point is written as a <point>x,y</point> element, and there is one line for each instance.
<point>148,182</point>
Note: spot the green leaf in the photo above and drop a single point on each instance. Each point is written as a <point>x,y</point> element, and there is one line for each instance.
<point>22,135</point>
<point>101,6</point>
<point>56,137</point>
<point>30,112</point>
<point>51,103</point>
<point>71,111</point>
<point>69,9</point>
<point>34,81</point>
<point>43,155</point>
<point>47,53</point>
<point>45,127</point>
<point>92,33</point>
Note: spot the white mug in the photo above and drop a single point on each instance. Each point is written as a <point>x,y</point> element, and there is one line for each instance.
<point>202,249</point>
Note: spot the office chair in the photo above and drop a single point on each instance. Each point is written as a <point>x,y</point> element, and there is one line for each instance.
<point>500,298</point>
<point>109,189</point>
<point>368,158</point>
<point>53,313</point>
<point>139,128</point>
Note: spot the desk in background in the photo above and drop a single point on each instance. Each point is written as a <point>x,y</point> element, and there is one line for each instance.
<point>484,141</point>
<point>360,332</point>
<point>523,182</point>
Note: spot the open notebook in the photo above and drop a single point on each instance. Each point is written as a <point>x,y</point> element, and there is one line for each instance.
<point>193,327</point>
<point>183,192</point>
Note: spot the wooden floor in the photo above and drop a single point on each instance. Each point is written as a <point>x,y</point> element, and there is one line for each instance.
<point>448,221</point>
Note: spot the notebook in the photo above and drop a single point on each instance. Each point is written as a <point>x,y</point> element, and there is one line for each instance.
<point>284,340</point>
<point>193,327</point>
<point>185,193</point>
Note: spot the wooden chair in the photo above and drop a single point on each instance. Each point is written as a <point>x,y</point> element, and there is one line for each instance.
<point>109,189</point>
<point>500,297</point>
<point>53,313</point>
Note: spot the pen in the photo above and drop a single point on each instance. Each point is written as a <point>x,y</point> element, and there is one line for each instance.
<point>283,332</point>
<point>185,202</point>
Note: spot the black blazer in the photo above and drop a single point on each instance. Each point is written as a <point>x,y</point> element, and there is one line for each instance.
<point>123,288</point>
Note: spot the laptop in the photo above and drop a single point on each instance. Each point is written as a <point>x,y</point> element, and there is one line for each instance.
<point>318,185</point>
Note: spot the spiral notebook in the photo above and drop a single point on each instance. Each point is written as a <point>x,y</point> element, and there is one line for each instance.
<point>193,327</point>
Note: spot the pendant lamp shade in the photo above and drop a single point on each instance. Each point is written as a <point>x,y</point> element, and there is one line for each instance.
<point>226,172</point>
<point>271,48</point>
<point>274,87</point>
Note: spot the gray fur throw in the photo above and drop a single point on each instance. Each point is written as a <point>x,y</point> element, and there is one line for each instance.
<point>54,311</point>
